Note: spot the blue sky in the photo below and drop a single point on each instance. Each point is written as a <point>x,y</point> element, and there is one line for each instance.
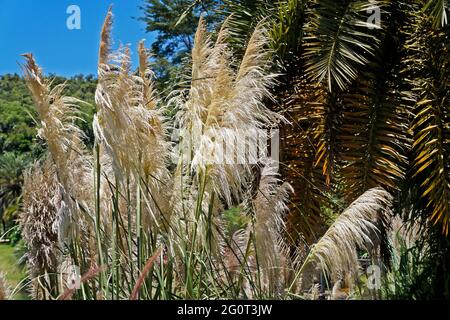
<point>39,26</point>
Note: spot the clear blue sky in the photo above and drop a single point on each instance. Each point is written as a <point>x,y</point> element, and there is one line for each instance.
<point>39,26</point>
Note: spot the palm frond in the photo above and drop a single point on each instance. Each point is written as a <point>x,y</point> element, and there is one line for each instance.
<point>305,108</point>
<point>374,135</point>
<point>431,126</point>
<point>245,15</point>
<point>339,40</point>
<point>286,29</point>
<point>438,10</point>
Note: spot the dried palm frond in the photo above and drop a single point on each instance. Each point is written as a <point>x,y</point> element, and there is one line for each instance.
<point>374,133</point>
<point>308,162</point>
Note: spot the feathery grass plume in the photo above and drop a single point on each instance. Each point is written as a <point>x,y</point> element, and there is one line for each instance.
<point>223,107</point>
<point>406,235</point>
<point>5,290</point>
<point>129,125</point>
<point>356,228</point>
<point>146,75</point>
<point>128,119</point>
<point>259,251</point>
<point>209,176</point>
<point>156,153</point>
<point>253,81</point>
<point>234,252</point>
<point>105,42</point>
<point>239,262</point>
<point>57,115</point>
<point>214,118</point>
<point>193,193</point>
<point>269,228</point>
<point>38,221</point>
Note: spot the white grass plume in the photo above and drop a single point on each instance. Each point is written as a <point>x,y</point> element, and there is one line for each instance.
<point>356,228</point>
<point>57,115</point>
<point>106,41</point>
<point>222,106</point>
<point>260,250</point>
<point>41,203</point>
<point>5,290</point>
<point>270,206</point>
<point>129,126</point>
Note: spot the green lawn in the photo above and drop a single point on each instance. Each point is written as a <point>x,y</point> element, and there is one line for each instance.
<point>14,273</point>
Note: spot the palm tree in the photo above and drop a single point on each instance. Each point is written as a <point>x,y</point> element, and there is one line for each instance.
<point>367,100</point>
<point>368,106</point>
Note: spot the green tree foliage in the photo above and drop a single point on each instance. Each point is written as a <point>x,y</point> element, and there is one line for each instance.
<point>17,124</point>
<point>174,39</point>
<point>175,21</point>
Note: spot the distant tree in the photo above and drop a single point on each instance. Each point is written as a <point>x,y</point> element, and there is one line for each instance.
<point>17,127</point>
<point>16,116</point>
<point>174,38</point>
